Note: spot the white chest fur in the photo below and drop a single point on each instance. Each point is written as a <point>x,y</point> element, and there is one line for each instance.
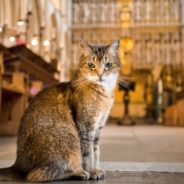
<point>110,82</point>
<point>109,85</point>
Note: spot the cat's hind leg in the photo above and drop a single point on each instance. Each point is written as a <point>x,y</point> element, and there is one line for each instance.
<point>77,175</point>
<point>57,170</point>
<point>46,172</point>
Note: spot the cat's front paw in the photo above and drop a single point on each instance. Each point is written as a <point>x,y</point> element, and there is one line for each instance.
<point>81,175</point>
<point>84,175</point>
<point>97,174</point>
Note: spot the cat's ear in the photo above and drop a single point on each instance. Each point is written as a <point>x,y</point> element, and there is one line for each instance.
<point>113,47</point>
<point>85,48</point>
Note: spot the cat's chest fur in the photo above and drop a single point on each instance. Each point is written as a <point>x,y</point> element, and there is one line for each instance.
<point>94,97</point>
<point>93,105</point>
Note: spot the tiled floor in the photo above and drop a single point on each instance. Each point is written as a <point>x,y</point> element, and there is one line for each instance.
<point>128,144</point>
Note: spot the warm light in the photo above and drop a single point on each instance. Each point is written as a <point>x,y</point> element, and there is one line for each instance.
<point>1,29</point>
<point>127,44</point>
<point>20,23</point>
<point>34,41</point>
<point>56,76</point>
<point>46,43</point>
<point>12,39</point>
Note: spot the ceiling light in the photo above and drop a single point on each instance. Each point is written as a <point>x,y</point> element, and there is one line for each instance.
<point>12,38</point>
<point>34,41</point>
<point>20,23</point>
<point>46,43</point>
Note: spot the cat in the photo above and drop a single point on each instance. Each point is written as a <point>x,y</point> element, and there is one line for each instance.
<point>58,137</point>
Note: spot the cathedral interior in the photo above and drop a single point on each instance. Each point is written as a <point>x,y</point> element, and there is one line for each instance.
<point>39,43</point>
<point>39,46</point>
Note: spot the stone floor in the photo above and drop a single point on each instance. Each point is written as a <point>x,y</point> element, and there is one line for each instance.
<point>134,144</point>
<point>135,155</point>
<point>128,178</point>
<point>143,144</point>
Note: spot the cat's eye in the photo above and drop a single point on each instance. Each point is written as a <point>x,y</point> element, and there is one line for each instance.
<point>91,65</point>
<point>108,65</point>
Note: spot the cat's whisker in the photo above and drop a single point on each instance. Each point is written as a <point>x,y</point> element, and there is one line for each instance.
<point>124,81</point>
<point>76,82</point>
<point>124,84</point>
<point>80,82</point>
<point>128,85</point>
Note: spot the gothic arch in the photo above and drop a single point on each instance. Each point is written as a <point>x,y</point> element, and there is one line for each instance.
<point>34,9</point>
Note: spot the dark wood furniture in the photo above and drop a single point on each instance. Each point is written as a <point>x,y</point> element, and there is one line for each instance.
<point>22,59</point>
<point>14,101</point>
<point>21,67</point>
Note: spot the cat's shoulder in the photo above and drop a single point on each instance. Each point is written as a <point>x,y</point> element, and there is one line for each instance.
<point>63,86</point>
<point>54,89</point>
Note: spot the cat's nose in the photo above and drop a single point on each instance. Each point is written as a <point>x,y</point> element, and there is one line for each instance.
<point>100,77</point>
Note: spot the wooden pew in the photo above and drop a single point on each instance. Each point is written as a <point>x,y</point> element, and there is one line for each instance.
<point>23,70</point>
<point>14,95</point>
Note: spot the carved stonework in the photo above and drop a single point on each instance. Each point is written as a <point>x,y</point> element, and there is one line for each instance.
<point>154,26</point>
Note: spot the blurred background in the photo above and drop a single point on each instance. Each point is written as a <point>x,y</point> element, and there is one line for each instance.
<point>39,47</point>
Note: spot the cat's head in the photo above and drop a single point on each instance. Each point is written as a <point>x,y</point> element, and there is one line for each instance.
<point>100,63</point>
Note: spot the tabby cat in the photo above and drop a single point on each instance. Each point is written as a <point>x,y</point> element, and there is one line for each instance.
<point>59,133</point>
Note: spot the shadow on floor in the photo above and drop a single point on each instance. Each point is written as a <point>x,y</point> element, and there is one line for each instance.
<point>129,178</point>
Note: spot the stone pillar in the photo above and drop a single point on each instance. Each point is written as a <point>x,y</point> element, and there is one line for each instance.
<point>182,31</point>
<point>67,52</point>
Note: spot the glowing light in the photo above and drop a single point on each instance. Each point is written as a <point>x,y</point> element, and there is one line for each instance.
<point>34,41</point>
<point>56,76</point>
<point>46,43</point>
<point>12,39</point>
<point>20,23</point>
<point>1,29</point>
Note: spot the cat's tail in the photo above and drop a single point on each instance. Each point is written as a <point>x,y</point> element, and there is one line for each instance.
<point>10,174</point>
